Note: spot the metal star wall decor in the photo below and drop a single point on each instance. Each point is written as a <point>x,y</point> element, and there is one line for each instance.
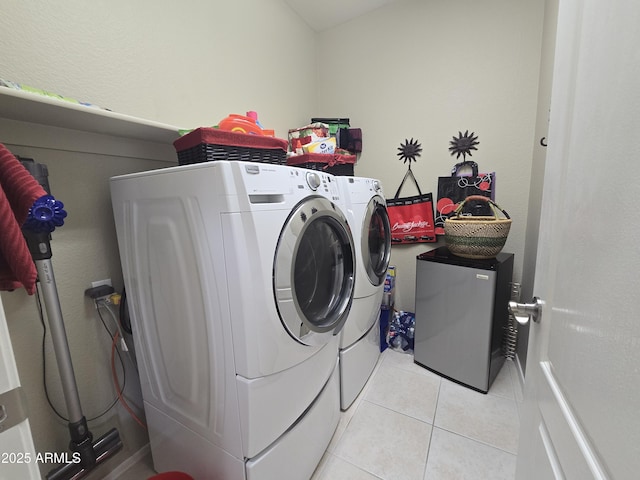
<point>463,144</point>
<point>409,150</point>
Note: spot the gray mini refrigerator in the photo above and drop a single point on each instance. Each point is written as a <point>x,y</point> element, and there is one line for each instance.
<point>461,313</point>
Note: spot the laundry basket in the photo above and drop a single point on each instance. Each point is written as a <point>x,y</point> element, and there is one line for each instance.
<point>477,236</point>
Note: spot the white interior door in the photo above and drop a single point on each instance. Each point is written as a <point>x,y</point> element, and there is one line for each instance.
<point>17,452</point>
<point>581,415</point>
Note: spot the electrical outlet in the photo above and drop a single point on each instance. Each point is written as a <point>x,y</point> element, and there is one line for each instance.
<point>99,283</point>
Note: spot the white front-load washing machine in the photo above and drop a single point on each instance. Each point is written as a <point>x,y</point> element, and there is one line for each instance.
<point>239,278</point>
<point>360,338</point>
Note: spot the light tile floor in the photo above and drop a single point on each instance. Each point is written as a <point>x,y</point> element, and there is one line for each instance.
<point>410,424</point>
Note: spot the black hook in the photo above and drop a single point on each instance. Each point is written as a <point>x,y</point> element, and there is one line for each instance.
<point>542,141</point>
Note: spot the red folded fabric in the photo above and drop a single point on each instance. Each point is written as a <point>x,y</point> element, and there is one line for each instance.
<point>18,191</point>
<point>330,159</point>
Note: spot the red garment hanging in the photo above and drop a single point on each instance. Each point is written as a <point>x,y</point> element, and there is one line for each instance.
<point>18,191</point>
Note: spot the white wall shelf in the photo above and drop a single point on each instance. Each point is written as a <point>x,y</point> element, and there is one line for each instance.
<point>34,108</point>
<point>33,120</point>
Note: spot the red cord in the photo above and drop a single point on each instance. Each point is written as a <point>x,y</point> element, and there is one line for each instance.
<point>117,384</point>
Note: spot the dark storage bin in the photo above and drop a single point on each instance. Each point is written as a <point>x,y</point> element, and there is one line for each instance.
<point>335,124</point>
<point>210,144</point>
<point>340,165</point>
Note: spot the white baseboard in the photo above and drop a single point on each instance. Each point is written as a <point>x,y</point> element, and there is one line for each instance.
<point>128,463</point>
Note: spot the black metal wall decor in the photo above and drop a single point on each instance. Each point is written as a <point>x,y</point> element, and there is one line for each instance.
<point>409,150</point>
<point>463,144</point>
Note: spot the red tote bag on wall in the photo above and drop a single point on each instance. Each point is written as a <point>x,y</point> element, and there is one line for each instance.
<point>411,218</point>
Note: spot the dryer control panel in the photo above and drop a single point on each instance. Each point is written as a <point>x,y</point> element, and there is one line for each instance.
<point>362,189</point>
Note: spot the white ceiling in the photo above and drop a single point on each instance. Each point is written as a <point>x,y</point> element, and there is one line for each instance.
<point>329,13</point>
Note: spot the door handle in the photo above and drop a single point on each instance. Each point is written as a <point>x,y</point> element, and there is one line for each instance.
<point>523,312</point>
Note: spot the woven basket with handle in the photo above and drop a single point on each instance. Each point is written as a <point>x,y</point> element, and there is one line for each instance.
<point>479,236</point>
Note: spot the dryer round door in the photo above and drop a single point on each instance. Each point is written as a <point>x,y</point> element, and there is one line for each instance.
<point>376,240</point>
<point>313,272</point>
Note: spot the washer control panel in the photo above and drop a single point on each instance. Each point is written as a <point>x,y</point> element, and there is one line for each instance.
<point>317,182</point>
<point>313,180</point>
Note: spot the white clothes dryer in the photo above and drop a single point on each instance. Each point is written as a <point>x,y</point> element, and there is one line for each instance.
<point>240,277</point>
<point>360,338</point>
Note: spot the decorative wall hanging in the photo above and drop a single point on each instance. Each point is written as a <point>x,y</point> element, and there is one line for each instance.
<point>463,144</point>
<point>411,218</point>
<point>409,150</point>
<point>454,189</point>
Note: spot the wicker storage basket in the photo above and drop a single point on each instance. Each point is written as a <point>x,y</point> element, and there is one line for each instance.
<point>477,237</point>
<point>210,144</point>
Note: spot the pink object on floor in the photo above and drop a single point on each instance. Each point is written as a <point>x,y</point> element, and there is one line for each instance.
<point>171,476</point>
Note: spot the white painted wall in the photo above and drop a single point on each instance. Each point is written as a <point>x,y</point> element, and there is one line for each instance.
<point>427,70</point>
<point>186,63</point>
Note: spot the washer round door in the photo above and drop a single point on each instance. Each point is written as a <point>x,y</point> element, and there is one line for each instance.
<point>313,271</point>
<point>376,240</point>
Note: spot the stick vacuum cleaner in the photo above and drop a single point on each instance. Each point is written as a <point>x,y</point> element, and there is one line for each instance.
<point>45,215</point>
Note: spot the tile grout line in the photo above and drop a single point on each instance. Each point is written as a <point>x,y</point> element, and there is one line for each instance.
<point>515,403</point>
<point>475,440</point>
<point>433,427</point>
